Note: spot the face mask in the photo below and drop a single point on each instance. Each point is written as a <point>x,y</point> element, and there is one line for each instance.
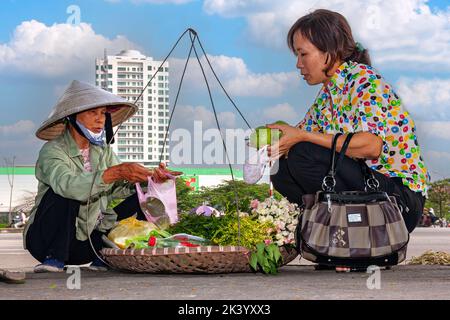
<point>94,138</point>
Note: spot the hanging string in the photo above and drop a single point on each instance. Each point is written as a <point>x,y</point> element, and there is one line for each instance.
<point>223,142</point>
<point>129,112</point>
<point>220,83</point>
<point>193,36</point>
<point>176,98</point>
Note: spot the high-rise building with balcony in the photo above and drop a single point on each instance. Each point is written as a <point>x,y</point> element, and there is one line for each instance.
<point>141,138</point>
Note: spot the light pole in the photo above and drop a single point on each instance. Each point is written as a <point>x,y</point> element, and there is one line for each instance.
<point>11,184</point>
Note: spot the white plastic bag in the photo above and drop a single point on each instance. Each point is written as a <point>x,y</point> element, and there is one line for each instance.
<point>255,165</point>
<point>159,203</point>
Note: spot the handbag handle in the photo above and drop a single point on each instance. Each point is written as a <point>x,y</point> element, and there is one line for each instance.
<point>329,181</point>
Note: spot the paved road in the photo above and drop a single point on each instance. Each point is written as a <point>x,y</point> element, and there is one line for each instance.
<point>13,256</point>
<point>298,280</point>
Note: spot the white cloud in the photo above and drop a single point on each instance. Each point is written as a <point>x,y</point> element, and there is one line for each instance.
<point>56,50</point>
<point>283,112</point>
<point>402,34</point>
<point>235,76</point>
<point>18,140</point>
<point>185,116</point>
<point>426,99</point>
<point>155,1</point>
<point>437,163</point>
<point>163,1</point>
<point>434,131</point>
<point>20,127</point>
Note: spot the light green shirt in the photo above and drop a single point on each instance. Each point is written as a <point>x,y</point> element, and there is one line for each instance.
<point>60,167</point>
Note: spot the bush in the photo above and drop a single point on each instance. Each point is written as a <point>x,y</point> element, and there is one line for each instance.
<point>223,196</point>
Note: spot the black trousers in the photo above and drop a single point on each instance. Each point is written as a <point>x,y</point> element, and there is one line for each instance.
<point>52,233</point>
<point>307,164</point>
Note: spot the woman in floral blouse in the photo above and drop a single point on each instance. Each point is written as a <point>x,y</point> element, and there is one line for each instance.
<point>354,98</point>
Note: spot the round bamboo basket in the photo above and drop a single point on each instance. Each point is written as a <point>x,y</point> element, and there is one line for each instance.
<point>207,259</point>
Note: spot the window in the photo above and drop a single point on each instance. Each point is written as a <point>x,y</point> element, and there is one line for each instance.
<point>160,99</point>
<point>161,92</point>
<point>160,69</point>
<point>149,135</point>
<point>161,121</point>
<point>160,85</point>
<point>109,75</point>
<point>121,69</point>
<point>161,114</point>
<point>110,66</point>
<point>161,78</point>
<point>149,68</point>
<point>166,69</point>
<point>162,128</point>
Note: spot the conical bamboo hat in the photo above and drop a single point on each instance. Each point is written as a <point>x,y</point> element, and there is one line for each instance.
<point>78,97</point>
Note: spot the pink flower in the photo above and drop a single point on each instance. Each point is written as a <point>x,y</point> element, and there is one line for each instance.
<point>267,241</point>
<point>254,203</point>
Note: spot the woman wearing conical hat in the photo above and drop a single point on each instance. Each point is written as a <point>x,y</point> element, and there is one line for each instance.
<point>78,176</point>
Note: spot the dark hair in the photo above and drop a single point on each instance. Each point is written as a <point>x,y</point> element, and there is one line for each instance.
<point>330,32</point>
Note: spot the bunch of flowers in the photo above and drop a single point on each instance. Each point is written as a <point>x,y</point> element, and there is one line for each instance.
<point>282,213</point>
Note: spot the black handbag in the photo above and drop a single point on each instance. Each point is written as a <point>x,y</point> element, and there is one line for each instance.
<point>351,228</point>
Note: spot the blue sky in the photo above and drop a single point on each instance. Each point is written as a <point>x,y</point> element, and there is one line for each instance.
<point>409,42</point>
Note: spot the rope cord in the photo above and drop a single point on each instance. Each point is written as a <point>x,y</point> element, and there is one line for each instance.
<point>176,98</point>
<point>223,142</point>
<point>193,36</point>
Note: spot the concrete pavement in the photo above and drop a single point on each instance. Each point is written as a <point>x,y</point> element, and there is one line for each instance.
<point>298,280</point>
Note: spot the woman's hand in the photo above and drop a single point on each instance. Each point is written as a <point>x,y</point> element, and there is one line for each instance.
<point>134,172</point>
<point>291,136</point>
<point>161,173</point>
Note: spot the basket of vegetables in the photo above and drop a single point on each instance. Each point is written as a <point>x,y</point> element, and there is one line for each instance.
<point>207,241</point>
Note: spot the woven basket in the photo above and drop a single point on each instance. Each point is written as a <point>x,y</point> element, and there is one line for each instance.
<point>209,259</point>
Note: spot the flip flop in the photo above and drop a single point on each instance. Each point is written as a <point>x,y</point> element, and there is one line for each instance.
<point>12,277</point>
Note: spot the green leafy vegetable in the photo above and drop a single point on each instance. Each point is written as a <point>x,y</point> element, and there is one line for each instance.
<point>266,258</point>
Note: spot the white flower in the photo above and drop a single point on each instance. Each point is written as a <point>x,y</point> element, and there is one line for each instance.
<point>291,227</point>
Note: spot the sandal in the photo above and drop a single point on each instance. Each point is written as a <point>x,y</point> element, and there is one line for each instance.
<point>12,277</point>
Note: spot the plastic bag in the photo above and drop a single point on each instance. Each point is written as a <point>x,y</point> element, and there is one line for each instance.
<point>130,228</point>
<point>254,166</point>
<point>178,240</point>
<point>159,204</point>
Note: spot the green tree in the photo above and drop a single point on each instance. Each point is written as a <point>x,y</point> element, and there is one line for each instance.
<point>223,196</point>
<point>439,197</point>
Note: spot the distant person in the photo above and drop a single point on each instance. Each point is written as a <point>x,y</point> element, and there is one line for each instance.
<point>22,222</point>
<point>433,217</point>
<point>76,168</point>
<point>354,97</point>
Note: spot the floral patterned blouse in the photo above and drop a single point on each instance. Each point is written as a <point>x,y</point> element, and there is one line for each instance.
<point>358,99</point>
